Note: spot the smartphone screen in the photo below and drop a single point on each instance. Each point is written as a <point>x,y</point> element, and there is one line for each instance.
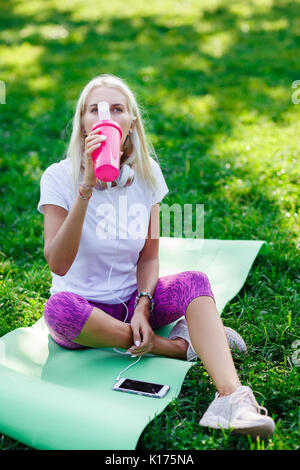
<point>141,386</point>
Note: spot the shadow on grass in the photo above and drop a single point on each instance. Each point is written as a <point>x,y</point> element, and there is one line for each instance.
<point>193,82</point>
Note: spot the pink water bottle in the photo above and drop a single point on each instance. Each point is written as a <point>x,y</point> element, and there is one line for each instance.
<point>106,159</point>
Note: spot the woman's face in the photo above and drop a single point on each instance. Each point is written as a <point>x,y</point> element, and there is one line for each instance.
<point>118,110</point>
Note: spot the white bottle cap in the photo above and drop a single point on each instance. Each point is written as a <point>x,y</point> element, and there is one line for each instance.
<point>103,110</point>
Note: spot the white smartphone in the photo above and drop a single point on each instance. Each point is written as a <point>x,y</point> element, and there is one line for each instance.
<point>141,388</point>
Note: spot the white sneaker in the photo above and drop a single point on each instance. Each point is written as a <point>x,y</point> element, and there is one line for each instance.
<point>236,342</point>
<point>240,412</point>
<point>180,330</point>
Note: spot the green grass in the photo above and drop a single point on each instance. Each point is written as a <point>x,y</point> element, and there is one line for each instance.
<point>214,82</point>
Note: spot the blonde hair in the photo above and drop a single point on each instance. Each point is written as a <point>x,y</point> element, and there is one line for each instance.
<point>137,147</point>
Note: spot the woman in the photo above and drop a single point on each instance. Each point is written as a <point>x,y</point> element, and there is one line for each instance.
<point>83,310</point>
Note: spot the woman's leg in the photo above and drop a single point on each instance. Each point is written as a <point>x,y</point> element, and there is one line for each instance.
<point>189,293</point>
<point>65,314</point>
<point>172,295</point>
<point>75,323</point>
<point>102,330</point>
<point>209,340</point>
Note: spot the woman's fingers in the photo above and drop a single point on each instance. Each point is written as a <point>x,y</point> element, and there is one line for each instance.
<point>95,131</point>
<point>142,349</point>
<point>136,338</point>
<point>136,350</point>
<point>141,332</point>
<point>94,138</point>
<point>93,144</point>
<point>91,149</point>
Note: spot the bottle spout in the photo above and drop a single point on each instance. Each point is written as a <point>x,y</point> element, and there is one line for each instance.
<point>103,110</point>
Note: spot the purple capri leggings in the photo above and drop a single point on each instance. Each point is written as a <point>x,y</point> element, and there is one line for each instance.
<point>65,313</point>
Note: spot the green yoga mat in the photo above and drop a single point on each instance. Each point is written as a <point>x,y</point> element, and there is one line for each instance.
<point>54,398</point>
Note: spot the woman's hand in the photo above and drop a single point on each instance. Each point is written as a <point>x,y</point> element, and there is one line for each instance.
<point>142,333</point>
<point>91,143</point>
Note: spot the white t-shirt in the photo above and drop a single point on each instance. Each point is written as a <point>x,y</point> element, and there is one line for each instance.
<point>98,248</point>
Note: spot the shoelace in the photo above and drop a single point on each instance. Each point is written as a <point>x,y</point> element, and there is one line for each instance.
<point>243,395</point>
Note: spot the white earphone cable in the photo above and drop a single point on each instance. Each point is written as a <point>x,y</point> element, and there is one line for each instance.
<point>115,349</point>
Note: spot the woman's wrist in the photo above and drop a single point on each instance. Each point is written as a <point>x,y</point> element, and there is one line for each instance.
<point>85,191</point>
<point>144,303</point>
<point>142,310</point>
<point>88,185</point>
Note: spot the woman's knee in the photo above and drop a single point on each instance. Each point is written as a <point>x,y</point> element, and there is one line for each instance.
<point>64,312</point>
<point>194,278</point>
<point>56,304</point>
<point>196,283</point>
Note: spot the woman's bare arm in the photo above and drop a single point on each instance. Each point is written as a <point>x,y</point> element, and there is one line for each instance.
<point>62,234</point>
